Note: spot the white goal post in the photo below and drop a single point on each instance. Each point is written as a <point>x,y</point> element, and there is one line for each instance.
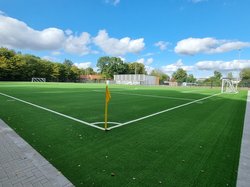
<point>36,79</point>
<point>229,86</point>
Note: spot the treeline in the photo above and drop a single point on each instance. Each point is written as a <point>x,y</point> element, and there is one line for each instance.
<point>18,67</point>
<point>15,66</point>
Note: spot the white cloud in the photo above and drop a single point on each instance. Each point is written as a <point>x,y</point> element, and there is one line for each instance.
<point>223,65</point>
<point>50,58</point>
<point>55,53</point>
<point>113,2</point>
<point>173,67</point>
<point>149,69</point>
<point>141,60</point>
<point>149,54</point>
<point>96,69</point>
<point>145,61</point>
<point>68,32</point>
<point>149,61</point>
<point>122,58</point>
<point>78,45</point>
<point>117,47</point>
<point>162,45</point>
<point>83,65</point>
<point>192,46</point>
<point>17,34</point>
<point>2,13</point>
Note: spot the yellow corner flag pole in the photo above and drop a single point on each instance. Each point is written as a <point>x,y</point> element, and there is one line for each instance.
<point>107,98</point>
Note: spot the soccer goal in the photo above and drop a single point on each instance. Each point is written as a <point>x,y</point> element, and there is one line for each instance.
<point>229,86</point>
<point>35,79</point>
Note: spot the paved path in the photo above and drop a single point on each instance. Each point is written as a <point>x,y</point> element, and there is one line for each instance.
<point>22,166</point>
<point>243,179</point>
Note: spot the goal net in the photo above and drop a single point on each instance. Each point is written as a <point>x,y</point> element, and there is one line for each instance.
<point>35,79</point>
<point>229,86</point>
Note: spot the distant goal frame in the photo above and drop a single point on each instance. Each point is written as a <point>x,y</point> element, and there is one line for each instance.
<point>229,86</point>
<point>38,79</point>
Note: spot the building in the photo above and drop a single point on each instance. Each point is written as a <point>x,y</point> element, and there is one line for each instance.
<point>91,78</point>
<point>136,79</point>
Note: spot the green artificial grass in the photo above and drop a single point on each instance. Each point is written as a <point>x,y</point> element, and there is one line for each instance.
<point>196,145</point>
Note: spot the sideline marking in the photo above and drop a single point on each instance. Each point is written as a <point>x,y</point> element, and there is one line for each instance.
<point>163,111</point>
<point>52,111</point>
<point>154,96</point>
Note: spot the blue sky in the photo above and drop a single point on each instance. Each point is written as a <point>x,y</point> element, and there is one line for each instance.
<point>198,35</point>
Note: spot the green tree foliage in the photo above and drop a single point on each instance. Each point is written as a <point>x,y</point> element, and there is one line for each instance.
<point>245,73</point>
<point>162,76</point>
<point>17,67</point>
<point>214,80</point>
<point>217,75</point>
<point>12,66</point>
<point>110,66</point>
<point>136,68</point>
<point>70,71</point>
<point>180,75</point>
<point>89,71</point>
<point>230,75</point>
<point>245,77</point>
<point>191,78</point>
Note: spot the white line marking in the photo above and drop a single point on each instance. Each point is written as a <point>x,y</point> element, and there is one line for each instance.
<point>154,96</point>
<point>163,111</point>
<point>190,91</point>
<point>52,111</point>
<point>109,122</point>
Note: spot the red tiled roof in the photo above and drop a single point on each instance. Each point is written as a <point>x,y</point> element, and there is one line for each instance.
<point>91,77</point>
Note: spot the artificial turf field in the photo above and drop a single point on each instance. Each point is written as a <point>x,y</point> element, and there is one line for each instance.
<point>196,143</point>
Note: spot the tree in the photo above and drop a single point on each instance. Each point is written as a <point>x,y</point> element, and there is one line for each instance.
<point>17,67</point>
<point>245,74</point>
<point>180,75</point>
<point>12,66</point>
<point>108,66</point>
<point>89,71</point>
<point>74,74</point>
<point>67,63</point>
<point>55,72</point>
<point>245,77</point>
<point>70,74</point>
<point>102,64</point>
<point>117,66</point>
<point>190,78</point>
<point>214,80</point>
<point>217,75</point>
<point>136,68</point>
<point>162,76</point>
<point>230,75</point>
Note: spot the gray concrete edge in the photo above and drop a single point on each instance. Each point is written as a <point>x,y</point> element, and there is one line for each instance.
<point>243,179</point>
<point>55,177</point>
